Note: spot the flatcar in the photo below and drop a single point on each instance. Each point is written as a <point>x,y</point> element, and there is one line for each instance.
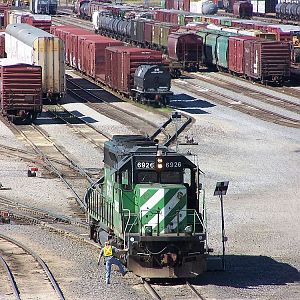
<point>20,91</point>
<point>47,7</point>
<point>149,202</point>
<point>35,46</point>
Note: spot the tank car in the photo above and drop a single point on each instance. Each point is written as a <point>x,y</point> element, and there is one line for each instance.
<point>20,91</point>
<point>209,8</point>
<point>288,11</point>
<point>152,84</point>
<point>47,7</point>
<point>149,202</point>
<point>38,47</point>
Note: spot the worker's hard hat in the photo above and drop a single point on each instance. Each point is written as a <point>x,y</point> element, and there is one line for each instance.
<point>107,243</point>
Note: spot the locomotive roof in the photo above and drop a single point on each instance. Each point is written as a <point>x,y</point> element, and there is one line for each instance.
<point>26,33</point>
<point>122,145</point>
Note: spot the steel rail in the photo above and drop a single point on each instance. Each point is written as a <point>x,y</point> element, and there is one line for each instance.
<point>11,278</point>
<point>257,95</point>
<point>41,262</point>
<point>53,168</point>
<point>195,292</point>
<point>242,106</point>
<point>151,290</point>
<point>37,211</point>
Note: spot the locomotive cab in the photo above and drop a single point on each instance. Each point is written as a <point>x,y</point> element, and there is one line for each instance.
<point>148,201</point>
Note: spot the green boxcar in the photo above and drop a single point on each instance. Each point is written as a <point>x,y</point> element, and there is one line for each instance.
<point>222,49</point>
<point>226,22</point>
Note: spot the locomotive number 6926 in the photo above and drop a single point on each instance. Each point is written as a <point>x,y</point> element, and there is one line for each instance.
<point>173,164</point>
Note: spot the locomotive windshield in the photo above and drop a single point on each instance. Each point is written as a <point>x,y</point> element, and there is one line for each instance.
<point>168,177</point>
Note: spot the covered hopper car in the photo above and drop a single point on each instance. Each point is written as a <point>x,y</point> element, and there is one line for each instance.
<point>20,90</point>
<point>149,202</point>
<point>37,47</point>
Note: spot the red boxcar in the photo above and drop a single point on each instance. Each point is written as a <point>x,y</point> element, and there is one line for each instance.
<point>20,90</point>
<point>121,63</point>
<point>69,34</point>
<point>236,60</point>
<point>2,44</point>
<point>71,45</point>
<point>267,61</point>
<point>94,59</point>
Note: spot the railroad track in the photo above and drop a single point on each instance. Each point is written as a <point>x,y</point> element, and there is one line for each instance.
<point>25,277</point>
<point>138,124</point>
<point>46,148</point>
<point>242,106</point>
<point>39,215</point>
<point>253,93</point>
<point>172,291</point>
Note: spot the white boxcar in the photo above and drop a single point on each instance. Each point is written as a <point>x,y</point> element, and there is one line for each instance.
<point>35,46</point>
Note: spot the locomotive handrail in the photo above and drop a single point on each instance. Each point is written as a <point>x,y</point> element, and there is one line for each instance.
<point>196,219</point>
<point>178,131</point>
<point>160,129</point>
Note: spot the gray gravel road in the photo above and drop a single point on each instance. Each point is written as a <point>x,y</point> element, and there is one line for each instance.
<point>262,163</point>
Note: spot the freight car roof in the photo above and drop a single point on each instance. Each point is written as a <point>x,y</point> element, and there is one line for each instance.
<point>26,33</point>
<point>12,62</point>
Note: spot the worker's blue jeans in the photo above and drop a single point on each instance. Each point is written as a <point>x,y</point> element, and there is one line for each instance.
<point>110,261</point>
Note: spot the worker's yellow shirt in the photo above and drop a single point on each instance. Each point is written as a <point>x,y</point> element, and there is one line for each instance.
<point>108,251</point>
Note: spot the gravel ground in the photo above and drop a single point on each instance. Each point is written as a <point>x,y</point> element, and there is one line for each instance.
<point>74,266</point>
<point>261,161</point>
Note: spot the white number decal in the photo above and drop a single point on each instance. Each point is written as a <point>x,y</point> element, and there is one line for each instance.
<point>173,164</point>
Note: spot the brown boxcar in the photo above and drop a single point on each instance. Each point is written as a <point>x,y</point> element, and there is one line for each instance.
<point>21,90</point>
<point>123,63</point>
<point>68,34</point>
<point>2,45</point>
<point>148,32</point>
<point>71,45</point>
<point>267,61</point>
<point>94,63</point>
<point>236,60</point>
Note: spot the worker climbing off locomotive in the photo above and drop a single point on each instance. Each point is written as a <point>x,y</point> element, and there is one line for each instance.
<point>109,251</point>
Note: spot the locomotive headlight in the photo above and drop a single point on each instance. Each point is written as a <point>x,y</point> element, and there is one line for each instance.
<point>188,229</point>
<point>159,163</point>
<point>148,230</point>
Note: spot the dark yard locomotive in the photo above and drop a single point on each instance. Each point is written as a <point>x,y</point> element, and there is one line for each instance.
<point>152,84</point>
<point>148,201</point>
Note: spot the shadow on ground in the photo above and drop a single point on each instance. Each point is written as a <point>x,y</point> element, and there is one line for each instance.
<point>189,104</point>
<point>244,271</point>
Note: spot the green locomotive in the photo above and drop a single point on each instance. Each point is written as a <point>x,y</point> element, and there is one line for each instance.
<point>149,201</point>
